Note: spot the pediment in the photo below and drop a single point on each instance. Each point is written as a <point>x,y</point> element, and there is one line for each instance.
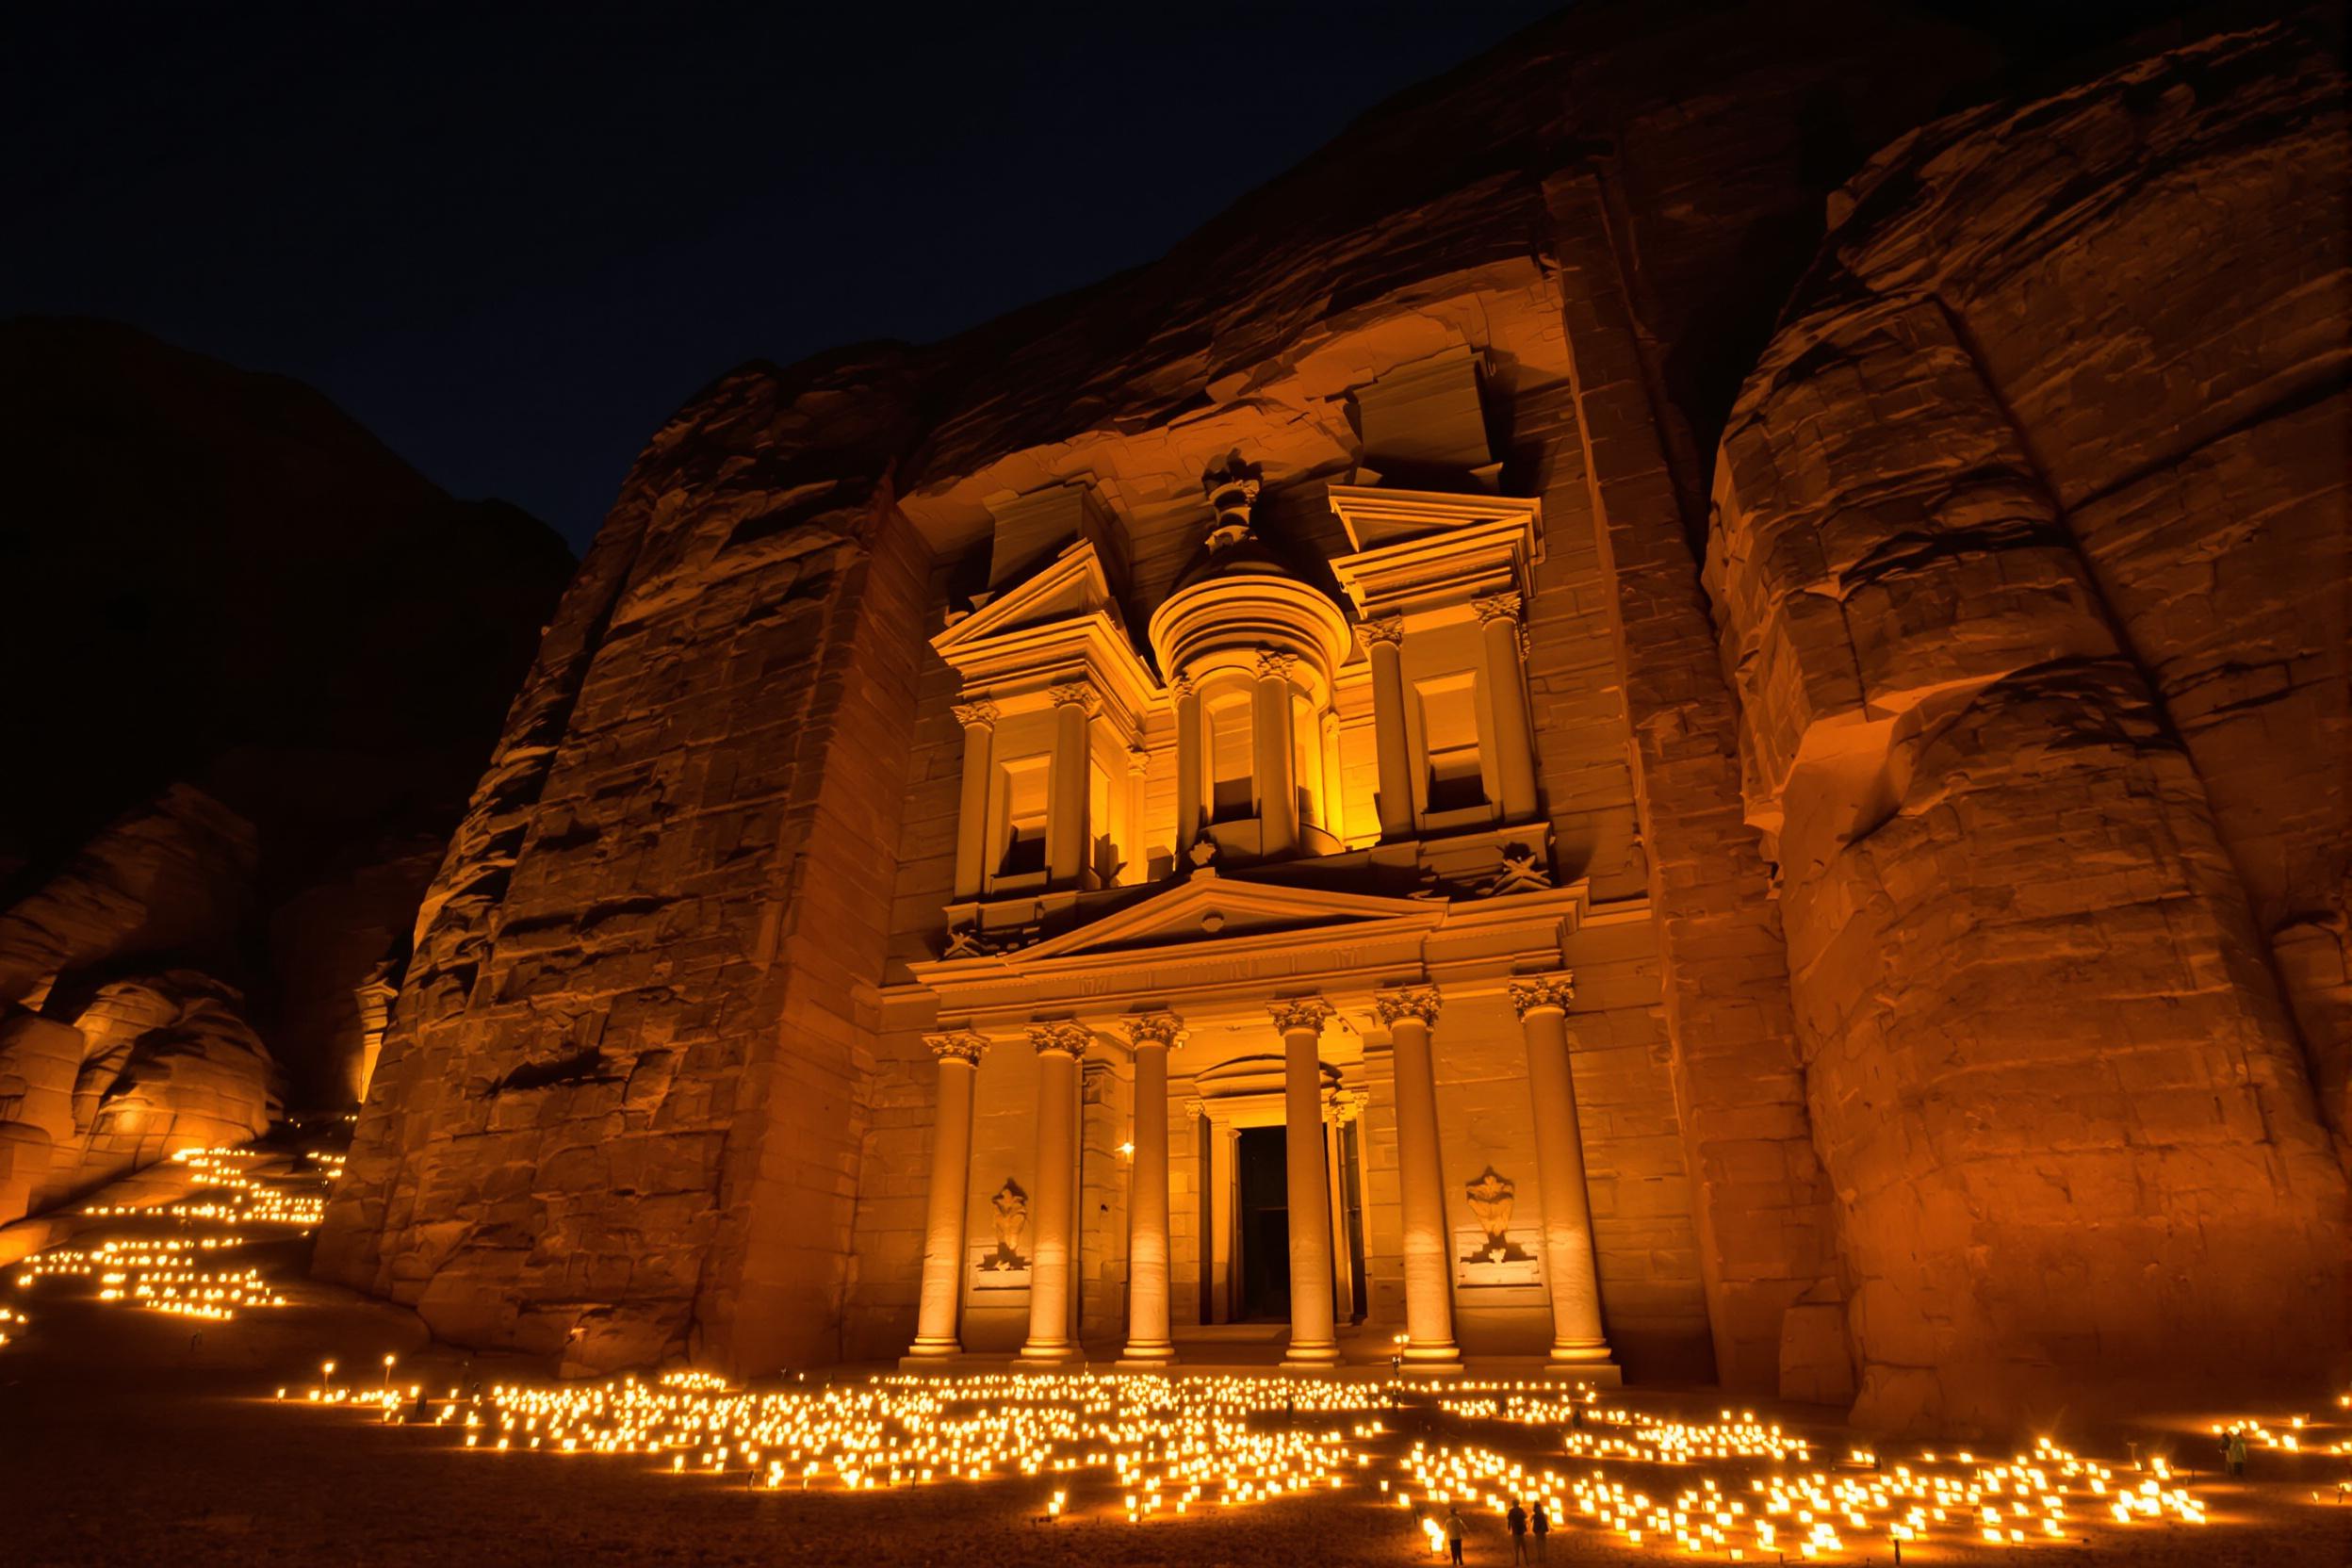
<point>1209,908</point>
<point>1073,586</point>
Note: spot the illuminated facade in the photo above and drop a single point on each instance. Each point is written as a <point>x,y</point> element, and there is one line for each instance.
<point>1220,892</point>
<point>1329,791</point>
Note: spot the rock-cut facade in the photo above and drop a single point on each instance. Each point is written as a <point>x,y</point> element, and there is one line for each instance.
<point>1342,798</point>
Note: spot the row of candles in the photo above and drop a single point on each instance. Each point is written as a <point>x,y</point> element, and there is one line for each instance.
<point>1162,1447</point>
<point>184,1274</point>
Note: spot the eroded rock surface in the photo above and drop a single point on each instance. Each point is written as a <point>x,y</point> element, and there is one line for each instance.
<point>254,659</point>
<point>121,1076</point>
<point>2028,564</point>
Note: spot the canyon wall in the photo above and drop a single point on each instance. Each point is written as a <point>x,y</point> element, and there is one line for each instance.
<point>254,659</point>
<point>617,1112</point>
<point>2029,558</point>
<point>1968,897</point>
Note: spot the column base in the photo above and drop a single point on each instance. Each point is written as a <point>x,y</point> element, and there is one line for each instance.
<point>1146,1361</point>
<point>923,1360</point>
<point>1044,1358</point>
<point>1590,1364</point>
<point>1309,1358</point>
<point>1431,1369</point>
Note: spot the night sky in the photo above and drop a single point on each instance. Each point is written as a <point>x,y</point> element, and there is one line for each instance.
<point>511,243</point>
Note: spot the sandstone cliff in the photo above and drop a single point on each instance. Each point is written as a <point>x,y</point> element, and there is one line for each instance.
<point>637,1100</point>
<point>2029,559</point>
<point>254,661</point>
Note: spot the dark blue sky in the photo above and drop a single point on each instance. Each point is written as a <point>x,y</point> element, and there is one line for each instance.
<point>511,240</point>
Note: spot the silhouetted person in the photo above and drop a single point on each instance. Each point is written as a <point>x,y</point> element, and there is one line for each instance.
<point>1538,1525</point>
<point>1516,1523</point>
<point>2234,1451</point>
<point>1455,1530</point>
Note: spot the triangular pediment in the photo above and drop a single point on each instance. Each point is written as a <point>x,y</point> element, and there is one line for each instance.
<point>1073,586</point>
<point>1216,908</point>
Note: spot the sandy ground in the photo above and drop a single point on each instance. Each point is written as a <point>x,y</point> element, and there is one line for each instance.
<point>121,1444</point>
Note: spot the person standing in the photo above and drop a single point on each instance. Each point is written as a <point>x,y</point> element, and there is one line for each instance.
<point>2235,1450</point>
<point>1455,1530</point>
<point>1516,1523</point>
<point>1538,1525</point>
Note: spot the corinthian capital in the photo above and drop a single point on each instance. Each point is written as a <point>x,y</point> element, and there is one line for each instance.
<point>982,714</point>
<point>1274,664</point>
<point>1387,629</point>
<point>1077,695</point>
<point>1413,1002</point>
<point>1071,1039</point>
<point>1543,993</point>
<point>1301,1013</point>
<point>1161,1028</point>
<point>959,1046</point>
<point>1496,607</point>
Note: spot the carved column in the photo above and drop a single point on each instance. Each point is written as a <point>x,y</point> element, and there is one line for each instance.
<point>1272,755</point>
<point>1409,1016</point>
<point>1055,1208</point>
<point>1507,688</point>
<point>1579,1344</point>
<point>1313,1343</point>
<point>971,813</point>
<point>1147,1341</point>
<point>1384,641</point>
<point>951,1197</point>
<point>1191,767</point>
<point>1066,799</point>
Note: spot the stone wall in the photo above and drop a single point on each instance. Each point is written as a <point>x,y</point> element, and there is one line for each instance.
<point>2029,561</point>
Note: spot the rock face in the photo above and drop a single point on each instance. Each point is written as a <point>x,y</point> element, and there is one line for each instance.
<point>621,1096</point>
<point>105,1082</point>
<point>2030,561</point>
<point>255,663</point>
<point>2018,1104</point>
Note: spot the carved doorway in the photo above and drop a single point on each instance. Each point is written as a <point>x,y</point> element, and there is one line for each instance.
<point>1263,1201</point>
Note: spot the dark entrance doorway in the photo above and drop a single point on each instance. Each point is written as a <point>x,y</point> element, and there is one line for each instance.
<point>1260,1173</point>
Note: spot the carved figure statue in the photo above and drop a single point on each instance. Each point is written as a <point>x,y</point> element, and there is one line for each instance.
<point>1012,1218</point>
<point>1491,1198</point>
